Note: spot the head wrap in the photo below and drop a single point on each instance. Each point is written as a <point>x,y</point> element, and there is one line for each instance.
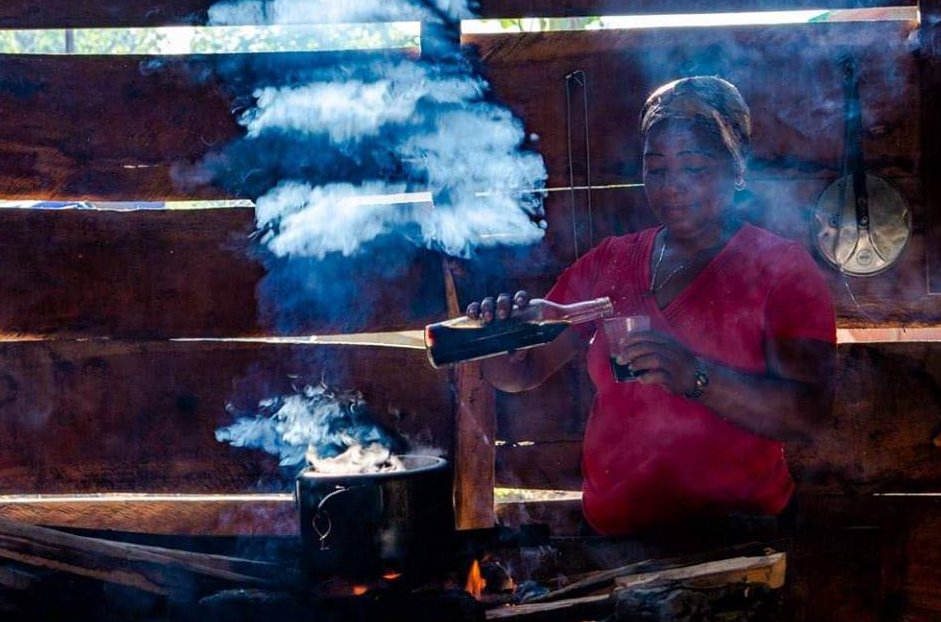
<point>704,99</point>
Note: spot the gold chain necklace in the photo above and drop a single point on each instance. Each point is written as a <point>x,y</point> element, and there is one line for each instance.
<point>654,287</point>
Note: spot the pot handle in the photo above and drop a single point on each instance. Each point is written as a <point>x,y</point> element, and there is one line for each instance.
<point>853,162</point>
<point>321,521</point>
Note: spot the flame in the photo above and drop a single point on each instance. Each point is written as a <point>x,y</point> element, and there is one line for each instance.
<point>475,582</point>
<point>391,575</point>
<point>359,590</point>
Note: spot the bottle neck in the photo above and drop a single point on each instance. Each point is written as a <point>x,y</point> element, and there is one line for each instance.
<point>587,311</point>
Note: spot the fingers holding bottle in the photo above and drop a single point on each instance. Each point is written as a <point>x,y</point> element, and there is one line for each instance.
<point>500,307</point>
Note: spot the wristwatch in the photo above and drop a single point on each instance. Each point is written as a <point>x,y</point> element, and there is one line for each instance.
<point>700,381</point>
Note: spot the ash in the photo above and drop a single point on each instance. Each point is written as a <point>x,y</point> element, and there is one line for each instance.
<point>373,458</point>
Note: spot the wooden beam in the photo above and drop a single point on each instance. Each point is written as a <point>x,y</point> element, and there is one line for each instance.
<point>474,433</point>
<point>152,569</point>
<point>119,128</point>
<point>494,9</point>
<point>767,570</point>
<point>930,65</point>
<point>170,514</point>
<point>190,273</point>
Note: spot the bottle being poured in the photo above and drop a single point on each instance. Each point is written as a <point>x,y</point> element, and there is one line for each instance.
<point>464,339</point>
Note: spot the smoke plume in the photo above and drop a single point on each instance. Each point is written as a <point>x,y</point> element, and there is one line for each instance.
<point>314,425</point>
<point>326,146</point>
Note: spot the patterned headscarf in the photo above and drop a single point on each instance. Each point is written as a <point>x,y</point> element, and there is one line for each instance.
<point>709,99</point>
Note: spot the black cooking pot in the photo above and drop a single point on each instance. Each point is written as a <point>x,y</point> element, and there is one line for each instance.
<point>368,525</point>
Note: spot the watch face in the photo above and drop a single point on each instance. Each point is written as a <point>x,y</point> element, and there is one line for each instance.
<point>702,379</point>
<point>700,382</point>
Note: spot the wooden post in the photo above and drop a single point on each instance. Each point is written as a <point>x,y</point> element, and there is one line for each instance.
<point>475,429</point>
<point>475,400</point>
<point>930,131</point>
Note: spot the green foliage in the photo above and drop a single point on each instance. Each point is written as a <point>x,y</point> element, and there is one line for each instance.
<point>119,41</point>
<point>210,40</point>
<point>32,41</point>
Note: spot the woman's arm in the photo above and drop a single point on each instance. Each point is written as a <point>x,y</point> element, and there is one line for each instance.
<point>524,370</point>
<point>788,403</point>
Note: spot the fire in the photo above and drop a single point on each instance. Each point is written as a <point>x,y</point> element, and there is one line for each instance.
<point>391,575</point>
<point>359,590</point>
<point>475,581</point>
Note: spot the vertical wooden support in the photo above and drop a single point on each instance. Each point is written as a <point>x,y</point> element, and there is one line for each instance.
<point>474,433</point>
<point>930,36</point>
<point>475,411</point>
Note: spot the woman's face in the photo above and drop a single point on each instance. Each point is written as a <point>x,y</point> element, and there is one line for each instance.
<point>689,177</point>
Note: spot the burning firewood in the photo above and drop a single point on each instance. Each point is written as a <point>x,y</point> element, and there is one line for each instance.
<point>676,594</point>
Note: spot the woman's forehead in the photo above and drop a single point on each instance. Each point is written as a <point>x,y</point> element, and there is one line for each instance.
<point>681,137</point>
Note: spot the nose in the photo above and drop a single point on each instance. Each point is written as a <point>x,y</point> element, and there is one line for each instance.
<point>671,182</point>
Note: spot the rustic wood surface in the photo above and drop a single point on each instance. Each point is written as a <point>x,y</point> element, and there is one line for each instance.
<point>568,8</point>
<point>798,150</point>
<point>920,522</point>
<point>930,65</point>
<point>186,273</point>
<point>113,274</point>
<point>85,416</point>
<point>178,515</point>
<point>166,114</point>
<point>849,557</point>
<point>169,122</point>
<point>152,569</point>
<point>798,122</point>
<point>475,425</point>
<point>124,128</point>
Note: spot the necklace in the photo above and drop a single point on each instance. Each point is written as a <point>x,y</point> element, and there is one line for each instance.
<point>654,286</point>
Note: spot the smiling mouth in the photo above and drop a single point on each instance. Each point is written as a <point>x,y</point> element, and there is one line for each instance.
<point>674,209</point>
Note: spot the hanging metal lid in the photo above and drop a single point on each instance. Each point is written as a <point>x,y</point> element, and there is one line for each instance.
<point>861,223</point>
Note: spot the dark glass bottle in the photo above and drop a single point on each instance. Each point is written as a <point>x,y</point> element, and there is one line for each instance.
<point>464,339</point>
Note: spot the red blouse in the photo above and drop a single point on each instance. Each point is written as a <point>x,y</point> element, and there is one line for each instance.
<point>650,456</point>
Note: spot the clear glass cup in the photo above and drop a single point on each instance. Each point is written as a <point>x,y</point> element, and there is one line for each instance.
<point>616,330</point>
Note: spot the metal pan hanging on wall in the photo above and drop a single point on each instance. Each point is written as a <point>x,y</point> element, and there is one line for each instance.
<point>861,223</point>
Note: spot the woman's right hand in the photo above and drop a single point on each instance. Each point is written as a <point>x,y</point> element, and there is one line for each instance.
<point>498,308</point>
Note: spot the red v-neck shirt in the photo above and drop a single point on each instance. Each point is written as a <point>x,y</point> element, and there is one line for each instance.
<point>650,456</point>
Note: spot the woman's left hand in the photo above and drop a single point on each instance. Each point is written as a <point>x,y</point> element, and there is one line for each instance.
<point>664,360</point>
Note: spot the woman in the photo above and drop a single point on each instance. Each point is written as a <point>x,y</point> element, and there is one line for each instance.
<point>741,348</point>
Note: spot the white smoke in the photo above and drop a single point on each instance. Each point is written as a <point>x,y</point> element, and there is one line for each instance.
<point>466,150</point>
<point>313,221</point>
<point>316,425</point>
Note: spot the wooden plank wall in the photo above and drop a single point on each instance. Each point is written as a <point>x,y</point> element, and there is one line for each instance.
<point>156,275</point>
<point>92,416</point>
<point>96,396</point>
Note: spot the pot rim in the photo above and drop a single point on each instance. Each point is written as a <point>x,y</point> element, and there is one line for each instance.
<point>434,463</point>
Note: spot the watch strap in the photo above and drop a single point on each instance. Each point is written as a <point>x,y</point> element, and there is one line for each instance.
<point>700,381</point>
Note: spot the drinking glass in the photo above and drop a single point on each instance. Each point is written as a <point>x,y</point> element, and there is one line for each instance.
<point>616,329</point>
